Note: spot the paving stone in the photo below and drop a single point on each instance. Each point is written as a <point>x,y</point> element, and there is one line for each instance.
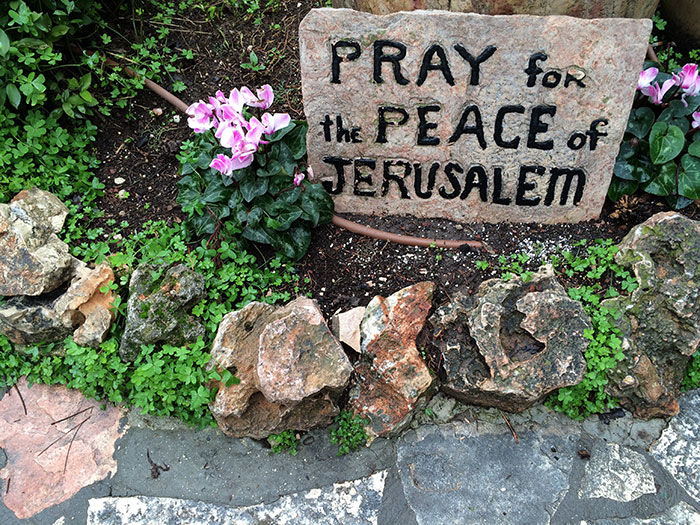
<point>346,503</point>
<point>450,475</point>
<point>679,514</point>
<point>617,473</point>
<point>678,449</point>
<point>62,443</point>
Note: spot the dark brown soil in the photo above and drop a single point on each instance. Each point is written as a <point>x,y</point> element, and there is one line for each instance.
<point>342,269</point>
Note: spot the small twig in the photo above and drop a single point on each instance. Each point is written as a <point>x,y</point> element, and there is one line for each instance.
<point>7,489</point>
<point>21,399</point>
<point>73,415</point>
<point>515,436</point>
<point>59,438</point>
<point>65,465</point>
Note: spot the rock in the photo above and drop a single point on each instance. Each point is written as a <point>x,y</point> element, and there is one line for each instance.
<point>451,475</point>
<point>512,343</point>
<point>290,367</point>
<point>352,502</point>
<point>616,473</point>
<point>77,307</point>
<point>346,326</point>
<point>588,9</point>
<point>33,260</point>
<point>660,318</point>
<point>678,448</point>
<point>392,376</point>
<point>461,167</point>
<point>159,308</point>
<point>60,444</point>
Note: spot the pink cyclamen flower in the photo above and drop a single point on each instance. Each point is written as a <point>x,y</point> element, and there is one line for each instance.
<point>223,164</point>
<point>200,117</point>
<point>298,177</point>
<point>688,76</point>
<point>265,97</point>
<point>696,120</point>
<point>272,123</point>
<point>657,93</point>
<point>646,77</point>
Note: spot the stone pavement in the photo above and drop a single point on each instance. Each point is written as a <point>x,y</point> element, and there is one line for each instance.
<point>456,465</point>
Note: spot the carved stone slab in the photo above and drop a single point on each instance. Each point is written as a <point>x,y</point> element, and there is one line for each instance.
<point>468,117</point>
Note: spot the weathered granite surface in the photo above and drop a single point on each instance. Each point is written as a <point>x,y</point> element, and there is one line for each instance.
<point>485,167</point>
<point>356,501</point>
<point>678,448</point>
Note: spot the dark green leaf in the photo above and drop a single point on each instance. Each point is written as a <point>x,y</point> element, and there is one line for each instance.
<point>204,160</point>
<point>678,202</point>
<point>296,140</point>
<point>640,122</point>
<point>286,159</point>
<point>286,219</point>
<point>284,243</point>
<point>689,177</point>
<point>254,217</point>
<point>215,193</point>
<point>665,142</point>
<point>301,237</point>
<point>204,224</point>
<point>256,234</point>
<point>694,149</point>
<point>317,204</point>
<point>619,187</point>
<point>664,183</point>
<point>252,187</point>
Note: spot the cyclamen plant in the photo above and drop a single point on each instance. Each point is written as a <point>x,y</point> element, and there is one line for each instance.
<point>245,166</point>
<point>661,148</point>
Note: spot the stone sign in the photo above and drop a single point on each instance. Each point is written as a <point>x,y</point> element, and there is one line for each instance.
<point>468,117</point>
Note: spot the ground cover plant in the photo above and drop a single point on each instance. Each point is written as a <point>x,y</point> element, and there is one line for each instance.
<point>67,145</point>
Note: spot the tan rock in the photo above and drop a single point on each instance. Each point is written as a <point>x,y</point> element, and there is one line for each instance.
<point>82,309</point>
<point>346,327</point>
<point>391,383</point>
<point>587,9</point>
<point>43,467</point>
<point>479,149</point>
<point>291,369</point>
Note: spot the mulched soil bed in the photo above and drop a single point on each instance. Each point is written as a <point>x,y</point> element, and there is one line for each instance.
<point>343,269</point>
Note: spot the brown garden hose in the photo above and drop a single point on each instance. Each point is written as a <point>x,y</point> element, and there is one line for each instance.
<point>338,221</point>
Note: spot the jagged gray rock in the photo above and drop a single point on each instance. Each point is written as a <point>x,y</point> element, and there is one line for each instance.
<point>511,343</point>
<point>33,260</point>
<point>660,318</point>
<point>159,308</point>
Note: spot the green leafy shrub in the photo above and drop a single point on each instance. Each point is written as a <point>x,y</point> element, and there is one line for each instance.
<point>660,153</point>
<point>350,434</point>
<point>691,379</point>
<point>284,442</point>
<point>594,262</point>
<point>260,188</point>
